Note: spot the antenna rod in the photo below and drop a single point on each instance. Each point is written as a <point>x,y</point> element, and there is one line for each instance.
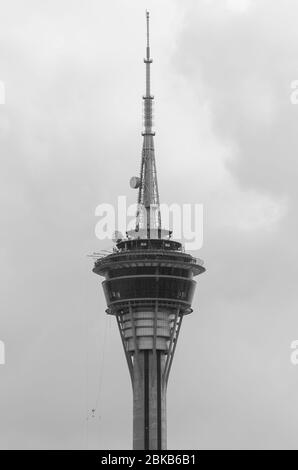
<point>148,198</point>
<point>148,98</point>
<point>148,45</point>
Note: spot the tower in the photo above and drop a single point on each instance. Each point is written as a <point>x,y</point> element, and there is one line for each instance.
<point>149,288</point>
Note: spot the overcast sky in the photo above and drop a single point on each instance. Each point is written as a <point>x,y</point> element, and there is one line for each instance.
<point>226,136</point>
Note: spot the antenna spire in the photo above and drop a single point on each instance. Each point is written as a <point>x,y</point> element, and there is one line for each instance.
<point>148,35</point>
<point>148,98</point>
<point>148,198</point>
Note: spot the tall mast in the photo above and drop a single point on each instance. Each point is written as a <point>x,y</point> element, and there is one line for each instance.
<point>148,212</point>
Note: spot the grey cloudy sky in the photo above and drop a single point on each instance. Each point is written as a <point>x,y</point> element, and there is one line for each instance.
<point>70,140</point>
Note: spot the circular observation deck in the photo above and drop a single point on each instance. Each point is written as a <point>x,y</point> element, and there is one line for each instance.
<point>141,273</point>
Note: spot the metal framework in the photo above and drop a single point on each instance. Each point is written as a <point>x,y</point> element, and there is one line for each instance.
<point>132,357</point>
<point>148,211</point>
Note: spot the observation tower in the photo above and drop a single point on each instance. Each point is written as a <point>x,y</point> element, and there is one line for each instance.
<point>149,286</point>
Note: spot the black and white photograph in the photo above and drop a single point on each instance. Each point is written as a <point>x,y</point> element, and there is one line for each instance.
<point>149,260</point>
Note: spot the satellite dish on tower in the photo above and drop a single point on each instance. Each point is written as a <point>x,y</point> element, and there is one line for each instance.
<point>135,182</point>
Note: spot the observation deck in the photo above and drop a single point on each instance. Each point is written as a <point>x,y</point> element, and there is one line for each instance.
<point>143,271</point>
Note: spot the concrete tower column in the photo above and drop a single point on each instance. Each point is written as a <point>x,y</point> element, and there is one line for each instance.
<point>149,401</point>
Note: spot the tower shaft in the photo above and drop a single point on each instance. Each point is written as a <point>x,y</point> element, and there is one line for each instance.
<point>149,336</point>
<point>149,402</point>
